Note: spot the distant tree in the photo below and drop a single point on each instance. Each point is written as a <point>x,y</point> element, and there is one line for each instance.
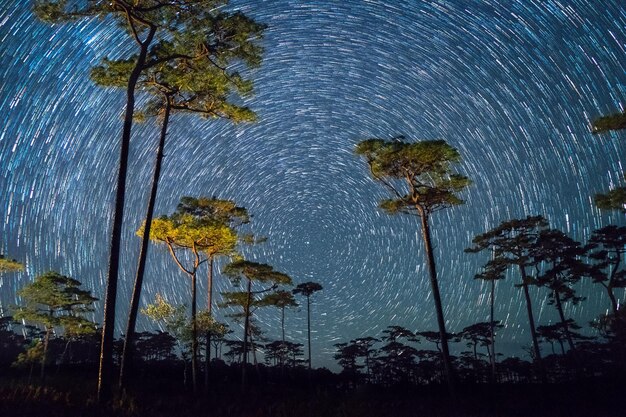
<point>514,243</point>
<point>365,345</point>
<point>307,289</point>
<point>251,272</point>
<point>54,300</point>
<point>430,185</point>
<point>562,270</point>
<point>281,299</point>
<point>347,357</point>
<point>478,334</point>
<point>9,265</point>
<point>607,246</point>
<point>155,26</point>
<point>493,271</point>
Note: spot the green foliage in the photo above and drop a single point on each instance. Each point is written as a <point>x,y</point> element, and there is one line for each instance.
<point>257,272</point>
<point>281,299</point>
<point>173,318</point>
<point>9,265</point>
<point>424,167</point>
<point>615,121</point>
<point>615,199</point>
<point>191,67</point>
<point>54,300</point>
<point>34,354</point>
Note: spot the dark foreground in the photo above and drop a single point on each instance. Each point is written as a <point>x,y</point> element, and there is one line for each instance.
<point>73,395</point>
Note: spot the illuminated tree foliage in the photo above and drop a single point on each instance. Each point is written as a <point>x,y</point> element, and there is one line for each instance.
<point>611,122</point>
<point>420,178</point>
<point>184,232</point>
<point>9,265</point>
<point>165,33</point>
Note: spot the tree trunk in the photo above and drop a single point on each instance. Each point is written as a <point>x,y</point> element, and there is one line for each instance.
<point>209,309</point>
<point>559,308</point>
<point>308,324</point>
<point>194,336</point>
<point>108,325</point>
<point>438,306</point>
<point>533,330</point>
<point>46,340</point>
<point>609,291</point>
<point>492,336</point>
<point>127,353</point>
<point>246,328</point>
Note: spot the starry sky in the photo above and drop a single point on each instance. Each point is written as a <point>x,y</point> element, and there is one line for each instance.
<point>513,85</point>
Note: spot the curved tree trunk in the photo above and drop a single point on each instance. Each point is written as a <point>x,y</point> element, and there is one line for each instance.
<point>447,363</point>
<point>609,291</point>
<point>108,325</point>
<point>127,353</point>
<point>533,329</point>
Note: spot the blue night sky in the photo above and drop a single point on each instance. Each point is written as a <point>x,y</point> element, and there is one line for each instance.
<point>512,84</point>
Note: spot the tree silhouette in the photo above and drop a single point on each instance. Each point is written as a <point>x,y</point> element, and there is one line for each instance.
<point>606,247</point>
<point>493,271</point>
<point>281,299</point>
<point>430,185</point>
<point>154,26</point>
<point>514,243</point>
<point>563,270</point>
<point>54,300</point>
<point>307,289</point>
<point>251,272</point>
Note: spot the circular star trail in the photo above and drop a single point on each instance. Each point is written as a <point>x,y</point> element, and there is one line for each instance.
<point>512,84</point>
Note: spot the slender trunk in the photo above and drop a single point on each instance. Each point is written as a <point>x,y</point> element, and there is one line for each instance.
<point>531,321</point>
<point>194,335</point>
<point>282,346</point>
<point>46,340</point>
<point>609,291</point>
<point>209,309</point>
<point>308,324</point>
<point>611,284</point>
<point>438,306</point>
<point>475,352</point>
<point>62,358</point>
<point>105,371</point>
<point>559,308</point>
<point>562,346</point>
<point>492,336</point>
<point>246,328</point>
<point>127,353</point>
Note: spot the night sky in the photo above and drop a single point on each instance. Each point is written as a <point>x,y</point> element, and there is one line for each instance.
<point>512,84</point>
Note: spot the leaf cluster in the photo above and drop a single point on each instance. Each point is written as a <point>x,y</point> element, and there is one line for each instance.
<point>425,169</point>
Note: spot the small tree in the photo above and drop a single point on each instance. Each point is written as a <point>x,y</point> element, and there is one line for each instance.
<point>514,244</point>
<point>307,289</point>
<point>54,300</point>
<point>430,185</point>
<point>606,247</point>
<point>251,272</point>
<point>184,232</point>
<point>562,270</point>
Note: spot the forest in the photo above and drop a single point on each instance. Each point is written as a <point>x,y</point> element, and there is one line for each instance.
<point>191,57</point>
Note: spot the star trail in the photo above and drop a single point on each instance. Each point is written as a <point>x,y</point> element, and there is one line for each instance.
<point>513,85</point>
